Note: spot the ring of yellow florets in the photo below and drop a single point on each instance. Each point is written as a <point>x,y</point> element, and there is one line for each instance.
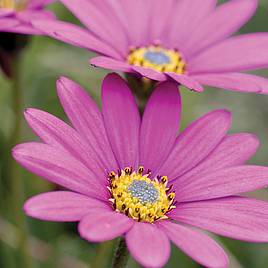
<point>157,58</point>
<point>13,4</point>
<point>139,197</point>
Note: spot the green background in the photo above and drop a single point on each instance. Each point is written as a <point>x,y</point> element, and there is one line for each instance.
<point>58,244</point>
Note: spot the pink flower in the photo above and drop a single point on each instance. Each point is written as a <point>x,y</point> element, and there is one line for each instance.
<point>143,180</point>
<point>189,42</point>
<point>15,15</point>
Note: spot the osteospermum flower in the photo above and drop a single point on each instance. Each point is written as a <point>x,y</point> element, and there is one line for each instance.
<point>15,15</point>
<point>141,179</point>
<point>185,41</point>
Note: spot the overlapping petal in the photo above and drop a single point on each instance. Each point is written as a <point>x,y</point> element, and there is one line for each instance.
<point>104,224</point>
<point>86,118</point>
<point>223,182</point>
<point>195,244</point>
<point>196,142</point>
<point>59,167</point>
<point>160,125</point>
<point>122,120</point>
<point>148,245</point>
<point>61,206</point>
<point>236,217</point>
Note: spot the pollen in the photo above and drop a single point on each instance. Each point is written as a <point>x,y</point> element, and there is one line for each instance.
<point>13,4</point>
<point>139,197</point>
<point>158,58</point>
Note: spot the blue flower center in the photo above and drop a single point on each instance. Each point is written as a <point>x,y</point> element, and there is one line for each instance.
<point>145,192</point>
<point>157,57</point>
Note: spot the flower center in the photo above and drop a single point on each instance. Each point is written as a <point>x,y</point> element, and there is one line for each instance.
<point>158,58</point>
<point>13,4</point>
<point>139,197</point>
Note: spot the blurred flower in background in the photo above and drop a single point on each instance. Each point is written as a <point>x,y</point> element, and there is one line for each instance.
<point>15,16</point>
<point>133,177</point>
<point>186,41</point>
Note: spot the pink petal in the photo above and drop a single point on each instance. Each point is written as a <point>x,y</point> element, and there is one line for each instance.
<point>61,206</point>
<point>235,54</point>
<point>28,15</point>
<point>185,17</point>
<point>101,23</point>
<point>234,150</point>
<point>187,81</point>
<point>57,133</point>
<point>195,143</point>
<point>85,116</point>
<point>5,13</point>
<point>101,225</point>
<point>236,217</point>
<point>8,23</point>
<point>235,81</point>
<point>57,166</point>
<point>111,64</point>
<point>35,4</point>
<point>122,120</point>
<point>223,182</point>
<point>148,245</point>
<point>223,22</point>
<point>196,245</point>
<point>160,125</point>
<point>150,73</point>
<point>74,35</point>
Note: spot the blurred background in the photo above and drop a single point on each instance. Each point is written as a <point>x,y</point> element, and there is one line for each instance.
<point>58,244</point>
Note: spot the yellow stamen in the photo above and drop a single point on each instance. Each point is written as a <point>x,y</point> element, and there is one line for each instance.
<point>13,4</point>
<point>139,197</point>
<point>157,58</point>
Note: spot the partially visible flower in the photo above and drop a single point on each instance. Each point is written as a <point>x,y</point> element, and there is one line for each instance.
<point>185,41</point>
<point>15,15</point>
<point>141,179</point>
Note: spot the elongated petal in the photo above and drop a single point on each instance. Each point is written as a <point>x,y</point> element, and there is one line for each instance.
<point>234,150</point>
<point>150,73</point>
<point>35,4</point>
<point>74,35</point>
<point>101,225</point>
<point>197,245</point>
<point>195,143</point>
<point>160,125</point>
<point>185,17</point>
<point>85,116</point>
<point>61,206</point>
<point>235,54</point>
<point>100,22</point>
<point>57,166</point>
<point>187,81</point>
<point>223,182</point>
<point>111,64</point>
<point>55,132</point>
<point>223,22</point>
<point>148,245</point>
<point>5,12</point>
<point>236,217</point>
<point>235,81</point>
<point>8,23</point>
<point>122,120</point>
<point>28,15</point>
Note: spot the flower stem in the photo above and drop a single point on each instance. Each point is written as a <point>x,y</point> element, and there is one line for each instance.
<point>121,255</point>
<point>16,185</point>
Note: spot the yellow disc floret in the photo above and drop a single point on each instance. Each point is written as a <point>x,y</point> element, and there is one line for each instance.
<point>157,58</point>
<point>139,197</point>
<point>13,4</point>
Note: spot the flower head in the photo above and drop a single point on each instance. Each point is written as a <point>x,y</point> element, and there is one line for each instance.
<point>189,42</point>
<point>141,179</point>
<point>15,15</point>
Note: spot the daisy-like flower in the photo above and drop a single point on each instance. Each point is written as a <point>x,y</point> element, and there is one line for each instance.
<point>141,179</point>
<point>189,42</point>
<point>15,15</point>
